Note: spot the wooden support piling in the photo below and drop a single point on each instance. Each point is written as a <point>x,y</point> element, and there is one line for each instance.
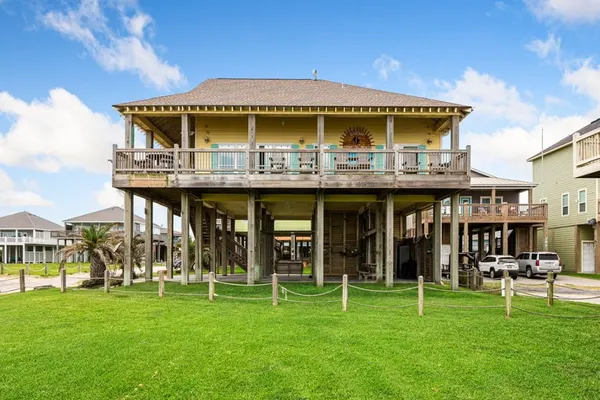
<point>211,286</point>
<point>507,293</point>
<point>46,269</point>
<point>275,292</point>
<point>106,281</point>
<point>63,280</point>
<point>161,283</point>
<point>420,291</point>
<point>21,280</point>
<point>345,292</point>
<point>550,281</point>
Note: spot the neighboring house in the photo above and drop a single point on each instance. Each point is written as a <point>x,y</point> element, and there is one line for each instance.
<point>294,149</point>
<point>26,238</point>
<point>572,203</point>
<point>510,221</point>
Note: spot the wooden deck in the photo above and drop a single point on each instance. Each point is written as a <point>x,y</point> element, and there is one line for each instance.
<point>495,213</point>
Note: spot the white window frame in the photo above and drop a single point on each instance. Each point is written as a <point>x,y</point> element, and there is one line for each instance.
<point>579,201</point>
<point>562,206</point>
<point>490,197</point>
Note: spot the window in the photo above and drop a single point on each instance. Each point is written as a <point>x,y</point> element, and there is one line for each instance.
<point>549,257</point>
<point>534,256</point>
<point>582,200</point>
<point>489,259</point>
<point>565,205</point>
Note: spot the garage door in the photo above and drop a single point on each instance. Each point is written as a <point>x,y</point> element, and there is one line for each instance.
<point>588,264</point>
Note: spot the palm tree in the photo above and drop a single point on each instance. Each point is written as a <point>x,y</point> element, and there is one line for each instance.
<point>138,252</point>
<point>99,243</point>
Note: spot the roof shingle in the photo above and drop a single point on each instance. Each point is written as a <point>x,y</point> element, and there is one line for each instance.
<point>26,220</point>
<point>287,92</point>
<point>108,215</point>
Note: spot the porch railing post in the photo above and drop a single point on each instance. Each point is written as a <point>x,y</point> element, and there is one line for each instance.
<point>175,158</point>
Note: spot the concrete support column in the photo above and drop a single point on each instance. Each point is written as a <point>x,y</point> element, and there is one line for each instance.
<point>128,231</point>
<point>454,240</point>
<point>251,238</point>
<point>437,242</point>
<point>378,242</point>
<point>318,268</point>
<point>505,238</point>
<point>389,240</point>
<point>169,255</point>
<point>149,241</point>
<point>199,241</point>
<point>185,237</point>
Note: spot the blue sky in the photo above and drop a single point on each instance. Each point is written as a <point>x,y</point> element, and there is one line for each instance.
<point>522,65</point>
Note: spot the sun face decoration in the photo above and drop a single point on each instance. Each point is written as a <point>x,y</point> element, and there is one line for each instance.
<point>356,136</point>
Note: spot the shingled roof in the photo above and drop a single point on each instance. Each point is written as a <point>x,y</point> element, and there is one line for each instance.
<point>107,215</point>
<point>289,93</point>
<point>27,220</point>
<point>567,139</point>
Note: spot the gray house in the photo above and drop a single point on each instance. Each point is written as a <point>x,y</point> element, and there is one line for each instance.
<point>27,238</point>
<point>572,204</point>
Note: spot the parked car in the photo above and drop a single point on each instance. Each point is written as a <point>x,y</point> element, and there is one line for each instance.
<point>539,263</point>
<point>495,265</point>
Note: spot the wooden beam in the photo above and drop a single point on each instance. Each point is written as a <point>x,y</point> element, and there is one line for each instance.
<point>159,135</point>
<point>414,198</point>
<point>389,240</point>
<point>185,237</point>
<point>149,240</point>
<point>212,230</point>
<point>437,242</point>
<point>455,138</point>
<point>379,224</point>
<point>128,228</point>
<point>278,197</point>
<point>389,133</point>
<point>224,245</point>
<point>170,242</point>
<point>442,125</point>
<point>251,237</point>
<point>320,235</point>
<point>185,131</point>
<point>129,132</point>
<point>199,231</point>
<point>454,247</point>
<point>250,160</point>
<point>505,238</point>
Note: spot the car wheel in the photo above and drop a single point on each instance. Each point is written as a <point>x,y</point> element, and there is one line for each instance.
<point>492,273</point>
<point>555,276</point>
<point>529,273</point>
<point>515,277</point>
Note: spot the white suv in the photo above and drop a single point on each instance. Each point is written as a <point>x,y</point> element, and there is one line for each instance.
<point>539,263</point>
<point>495,265</point>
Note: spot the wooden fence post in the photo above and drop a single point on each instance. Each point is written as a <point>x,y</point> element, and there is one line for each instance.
<point>211,286</point>
<point>345,293</point>
<point>106,281</point>
<point>550,295</point>
<point>27,269</point>
<point>79,265</point>
<point>1,268</point>
<point>275,291</point>
<point>21,280</point>
<point>45,269</point>
<point>63,280</point>
<point>421,300</point>
<point>161,283</point>
<point>507,292</point>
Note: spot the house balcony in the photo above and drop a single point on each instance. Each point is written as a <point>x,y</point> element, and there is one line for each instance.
<point>291,168</point>
<point>586,155</point>
<point>17,240</point>
<point>496,213</point>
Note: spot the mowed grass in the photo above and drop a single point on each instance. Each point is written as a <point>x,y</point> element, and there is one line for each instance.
<point>85,344</point>
<point>578,275</point>
<point>53,269</point>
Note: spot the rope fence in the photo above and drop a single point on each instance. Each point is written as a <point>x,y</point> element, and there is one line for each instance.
<point>508,290</point>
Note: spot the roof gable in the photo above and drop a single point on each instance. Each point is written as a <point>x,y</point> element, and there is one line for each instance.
<point>567,139</point>
<point>107,215</point>
<point>27,220</point>
<point>287,92</point>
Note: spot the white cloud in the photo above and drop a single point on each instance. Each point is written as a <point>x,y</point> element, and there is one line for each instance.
<point>386,64</point>
<point>11,196</point>
<point>585,80</point>
<point>565,10</point>
<point>545,48</point>
<point>500,5</point>
<point>553,100</point>
<point>89,25</point>
<point>108,196</point>
<point>489,96</point>
<point>57,132</point>
<point>505,151</point>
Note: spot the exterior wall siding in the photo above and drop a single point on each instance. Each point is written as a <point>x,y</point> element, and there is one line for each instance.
<point>508,196</point>
<point>562,241</point>
<point>289,130</point>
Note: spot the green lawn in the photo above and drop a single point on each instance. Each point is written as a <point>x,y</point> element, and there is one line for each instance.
<point>89,345</point>
<point>578,275</point>
<point>38,269</point>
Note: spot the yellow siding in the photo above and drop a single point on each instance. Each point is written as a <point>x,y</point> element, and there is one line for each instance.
<point>289,130</point>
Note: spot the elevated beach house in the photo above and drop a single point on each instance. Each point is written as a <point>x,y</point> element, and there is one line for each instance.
<point>294,149</point>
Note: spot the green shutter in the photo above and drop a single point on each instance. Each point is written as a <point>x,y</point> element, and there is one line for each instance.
<point>214,157</point>
<point>422,159</point>
<point>295,159</point>
<point>332,157</point>
<point>379,158</point>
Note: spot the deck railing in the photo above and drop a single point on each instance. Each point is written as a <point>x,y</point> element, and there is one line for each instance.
<point>290,161</point>
<point>498,212</point>
<point>587,149</point>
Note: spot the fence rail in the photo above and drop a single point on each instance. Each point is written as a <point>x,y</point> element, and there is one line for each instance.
<point>485,212</point>
<point>290,161</point>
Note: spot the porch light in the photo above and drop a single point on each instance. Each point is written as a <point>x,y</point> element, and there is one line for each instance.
<point>206,139</point>
<point>301,141</point>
